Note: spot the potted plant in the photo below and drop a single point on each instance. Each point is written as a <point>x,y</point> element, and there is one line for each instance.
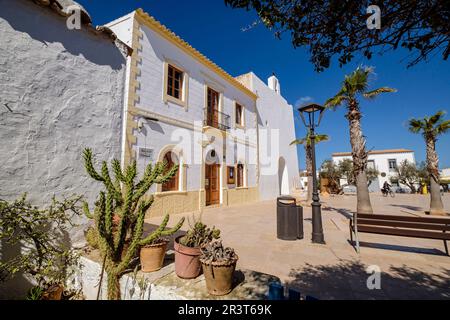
<point>152,255</point>
<point>187,250</point>
<point>218,265</point>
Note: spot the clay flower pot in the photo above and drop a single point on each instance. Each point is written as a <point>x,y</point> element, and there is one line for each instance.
<point>219,277</point>
<point>152,256</point>
<point>187,260</point>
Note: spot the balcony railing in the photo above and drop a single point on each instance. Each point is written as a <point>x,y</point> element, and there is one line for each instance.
<point>217,120</point>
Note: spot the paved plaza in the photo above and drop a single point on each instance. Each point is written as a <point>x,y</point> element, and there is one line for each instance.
<point>410,268</point>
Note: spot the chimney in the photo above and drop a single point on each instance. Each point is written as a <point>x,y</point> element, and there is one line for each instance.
<point>274,84</point>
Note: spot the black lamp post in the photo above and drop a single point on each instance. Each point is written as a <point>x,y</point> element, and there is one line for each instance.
<point>309,114</point>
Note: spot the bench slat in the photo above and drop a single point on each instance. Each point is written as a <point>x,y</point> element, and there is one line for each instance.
<point>402,224</point>
<point>404,218</point>
<point>404,232</point>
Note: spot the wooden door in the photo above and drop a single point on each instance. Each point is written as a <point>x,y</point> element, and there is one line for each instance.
<point>212,184</point>
<point>213,108</point>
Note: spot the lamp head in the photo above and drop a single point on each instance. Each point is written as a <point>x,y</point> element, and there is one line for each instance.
<point>309,112</point>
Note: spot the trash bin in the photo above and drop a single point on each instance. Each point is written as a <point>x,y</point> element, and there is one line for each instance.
<point>300,222</point>
<point>287,218</point>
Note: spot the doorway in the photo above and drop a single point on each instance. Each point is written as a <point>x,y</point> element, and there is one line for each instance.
<point>212,184</point>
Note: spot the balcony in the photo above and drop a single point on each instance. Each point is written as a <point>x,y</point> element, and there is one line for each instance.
<point>217,120</point>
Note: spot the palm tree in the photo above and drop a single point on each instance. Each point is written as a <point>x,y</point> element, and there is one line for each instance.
<point>306,142</point>
<point>354,85</point>
<point>431,128</point>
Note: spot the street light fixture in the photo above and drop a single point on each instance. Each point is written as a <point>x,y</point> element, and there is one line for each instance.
<point>309,114</point>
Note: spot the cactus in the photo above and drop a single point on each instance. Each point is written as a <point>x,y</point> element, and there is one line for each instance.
<point>199,235</point>
<point>120,212</point>
<point>214,252</point>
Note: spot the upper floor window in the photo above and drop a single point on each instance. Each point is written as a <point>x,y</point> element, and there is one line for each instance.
<point>239,112</point>
<point>371,164</point>
<point>392,164</point>
<point>175,82</point>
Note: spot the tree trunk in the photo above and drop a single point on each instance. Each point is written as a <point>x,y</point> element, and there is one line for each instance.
<point>309,172</point>
<point>113,286</point>
<point>359,155</point>
<point>436,205</point>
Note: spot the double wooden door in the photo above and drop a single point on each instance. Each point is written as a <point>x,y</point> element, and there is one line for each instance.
<point>212,184</point>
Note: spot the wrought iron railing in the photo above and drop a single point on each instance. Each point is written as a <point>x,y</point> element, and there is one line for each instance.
<point>217,120</point>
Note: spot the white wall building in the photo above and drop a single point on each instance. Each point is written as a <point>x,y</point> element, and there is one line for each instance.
<point>385,161</point>
<point>277,159</point>
<point>182,106</point>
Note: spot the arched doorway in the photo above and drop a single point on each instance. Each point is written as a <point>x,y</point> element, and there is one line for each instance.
<point>212,178</point>
<point>283,177</point>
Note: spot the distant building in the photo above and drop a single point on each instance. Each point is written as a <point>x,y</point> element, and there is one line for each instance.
<point>385,161</point>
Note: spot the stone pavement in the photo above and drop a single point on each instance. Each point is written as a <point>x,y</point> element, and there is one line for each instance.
<point>410,268</point>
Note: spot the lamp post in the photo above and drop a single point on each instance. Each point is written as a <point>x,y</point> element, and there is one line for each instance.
<point>309,113</point>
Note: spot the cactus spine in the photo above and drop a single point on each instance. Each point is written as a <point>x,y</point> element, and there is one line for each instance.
<point>120,212</point>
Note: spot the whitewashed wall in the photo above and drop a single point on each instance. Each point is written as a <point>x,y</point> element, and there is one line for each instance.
<point>276,132</point>
<point>60,91</point>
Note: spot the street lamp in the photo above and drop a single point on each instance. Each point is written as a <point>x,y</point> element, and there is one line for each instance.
<point>309,114</point>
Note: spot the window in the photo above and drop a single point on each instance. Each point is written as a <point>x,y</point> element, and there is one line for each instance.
<point>240,175</point>
<point>392,164</point>
<point>239,114</point>
<point>230,175</point>
<point>371,164</point>
<point>175,82</point>
<point>172,185</point>
<point>212,108</point>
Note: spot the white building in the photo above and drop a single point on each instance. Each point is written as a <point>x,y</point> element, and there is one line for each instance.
<point>277,159</point>
<point>183,108</point>
<point>385,161</point>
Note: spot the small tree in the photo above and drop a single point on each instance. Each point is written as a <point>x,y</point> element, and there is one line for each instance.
<point>407,174</point>
<point>120,212</point>
<point>330,171</point>
<point>41,235</point>
<point>345,168</point>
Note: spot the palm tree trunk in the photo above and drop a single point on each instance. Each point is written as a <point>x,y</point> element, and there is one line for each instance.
<point>309,172</point>
<point>359,155</point>
<point>436,205</point>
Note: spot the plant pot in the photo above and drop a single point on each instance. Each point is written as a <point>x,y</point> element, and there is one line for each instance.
<point>187,260</point>
<point>152,256</point>
<point>54,292</point>
<point>219,277</point>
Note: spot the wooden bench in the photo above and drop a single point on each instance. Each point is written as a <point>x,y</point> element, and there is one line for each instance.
<point>403,226</point>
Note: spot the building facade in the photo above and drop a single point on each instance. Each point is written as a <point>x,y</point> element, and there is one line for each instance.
<point>384,161</point>
<point>182,108</point>
<point>278,160</point>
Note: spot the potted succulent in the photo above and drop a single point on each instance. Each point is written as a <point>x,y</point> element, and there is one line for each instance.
<point>187,250</point>
<point>152,255</point>
<point>218,265</point>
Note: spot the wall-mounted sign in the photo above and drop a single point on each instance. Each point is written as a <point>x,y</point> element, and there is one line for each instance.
<point>146,152</point>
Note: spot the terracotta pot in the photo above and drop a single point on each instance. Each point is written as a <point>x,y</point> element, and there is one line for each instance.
<point>219,277</point>
<point>54,292</point>
<point>187,260</point>
<point>152,256</point>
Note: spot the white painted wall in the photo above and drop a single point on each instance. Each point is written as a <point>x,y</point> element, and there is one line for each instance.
<point>276,131</point>
<point>64,90</point>
<point>382,164</point>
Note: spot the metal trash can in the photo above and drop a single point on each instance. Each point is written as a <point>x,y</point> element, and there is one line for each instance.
<point>287,218</point>
<point>300,222</point>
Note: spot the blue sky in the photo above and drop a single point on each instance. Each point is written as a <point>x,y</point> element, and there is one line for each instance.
<point>217,31</point>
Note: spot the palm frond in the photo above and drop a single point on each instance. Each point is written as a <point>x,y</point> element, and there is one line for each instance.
<point>373,93</point>
<point>335,101</point>
<point>436,118</point>
<point>443,127</point>
<point>416,125</point>
<point>321,137</point>
<point>298,141</point>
